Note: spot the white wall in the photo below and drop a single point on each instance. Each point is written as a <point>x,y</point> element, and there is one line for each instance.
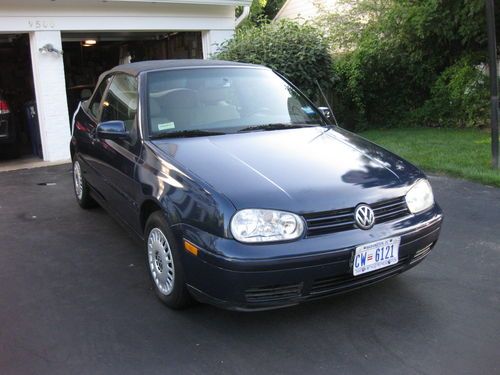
<point>50,92</point>
<point>294,9</point>
<point>306,9</point>
<point>114,16</point>
<point>212,39</point>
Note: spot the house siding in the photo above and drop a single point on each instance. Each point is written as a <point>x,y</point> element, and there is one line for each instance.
<point>307,9</point>
<point>296,9</point>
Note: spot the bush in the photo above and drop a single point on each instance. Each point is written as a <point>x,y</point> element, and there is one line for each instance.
<point>459,98</point>
<point>297,51</point>
<point>414,64</point>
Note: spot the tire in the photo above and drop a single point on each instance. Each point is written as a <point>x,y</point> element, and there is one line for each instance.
<point>164,265</point>
<point>81,187</point>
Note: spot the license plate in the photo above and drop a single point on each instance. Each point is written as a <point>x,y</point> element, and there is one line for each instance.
<point>376,255</point>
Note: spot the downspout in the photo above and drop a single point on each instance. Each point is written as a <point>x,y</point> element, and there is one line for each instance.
<point>243,16</point>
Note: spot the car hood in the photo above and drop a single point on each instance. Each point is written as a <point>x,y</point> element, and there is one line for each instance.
<point>300,170</point>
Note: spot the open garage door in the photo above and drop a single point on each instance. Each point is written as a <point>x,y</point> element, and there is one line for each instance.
<point>19,133</point>
<point>88,55</point>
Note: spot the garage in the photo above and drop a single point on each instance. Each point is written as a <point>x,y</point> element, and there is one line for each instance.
<point>52,53</point>
<point>87,55</point>
<point>17,130</point>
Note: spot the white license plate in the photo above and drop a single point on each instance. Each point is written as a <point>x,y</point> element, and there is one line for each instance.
<point>376,255</point>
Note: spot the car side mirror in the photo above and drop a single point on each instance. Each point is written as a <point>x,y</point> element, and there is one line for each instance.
<point>112,130</point>
<point>326,112</point>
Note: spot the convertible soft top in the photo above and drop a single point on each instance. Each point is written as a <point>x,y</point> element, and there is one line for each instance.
<point>145,66</point>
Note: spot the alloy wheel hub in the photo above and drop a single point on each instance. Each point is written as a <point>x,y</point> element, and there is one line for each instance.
<point>161,264</point>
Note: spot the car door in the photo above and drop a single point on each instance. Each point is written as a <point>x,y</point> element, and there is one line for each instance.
<point>89,150</point>
<point>119,157</point>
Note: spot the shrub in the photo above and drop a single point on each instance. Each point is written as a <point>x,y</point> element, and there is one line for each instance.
<point>297,51</point>
<point>412,64</point>
<point>459,98</point>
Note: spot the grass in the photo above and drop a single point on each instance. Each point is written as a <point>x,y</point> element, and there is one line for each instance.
<point>455,152</point>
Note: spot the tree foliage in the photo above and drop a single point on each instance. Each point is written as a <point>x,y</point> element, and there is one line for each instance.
<point>459,98</point>
<point>345,26</point>
<point>261,12</point>
<point>402,55</point>
<point>297,51</point>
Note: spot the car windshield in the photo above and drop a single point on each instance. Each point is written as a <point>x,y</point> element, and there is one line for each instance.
<point>204,101</point>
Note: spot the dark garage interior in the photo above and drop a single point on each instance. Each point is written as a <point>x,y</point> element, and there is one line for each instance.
<point>17,128</point>
<point>87,55</point>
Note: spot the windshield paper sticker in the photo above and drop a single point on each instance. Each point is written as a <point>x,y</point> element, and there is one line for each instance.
<point>166,126</point>
<point>308,110</point>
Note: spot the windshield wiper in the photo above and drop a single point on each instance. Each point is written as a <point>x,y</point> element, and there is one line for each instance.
<point>276,126</point>
<point>187,133</point>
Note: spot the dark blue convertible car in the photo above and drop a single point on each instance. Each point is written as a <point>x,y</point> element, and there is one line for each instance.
<point>244,194</point>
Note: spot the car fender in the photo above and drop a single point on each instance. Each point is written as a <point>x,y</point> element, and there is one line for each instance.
<point>184,198</point>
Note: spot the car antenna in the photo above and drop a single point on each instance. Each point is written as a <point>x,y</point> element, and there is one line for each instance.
<point>327,104</point>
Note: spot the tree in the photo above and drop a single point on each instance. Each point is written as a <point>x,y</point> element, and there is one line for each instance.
<point>345,26</point>
<point>389,67</point>
<point>261,12</point>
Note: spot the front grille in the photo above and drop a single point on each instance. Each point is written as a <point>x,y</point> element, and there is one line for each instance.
<point>341,220</point>
<point>275,293</point>
<point>390,210</point>
<point>338,284</point>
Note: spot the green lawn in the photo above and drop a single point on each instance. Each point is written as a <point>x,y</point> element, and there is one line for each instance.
<point>460,153</point>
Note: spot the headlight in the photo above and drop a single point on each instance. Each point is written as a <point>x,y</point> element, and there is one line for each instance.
<point>254,225</point>
<point>420,197</point>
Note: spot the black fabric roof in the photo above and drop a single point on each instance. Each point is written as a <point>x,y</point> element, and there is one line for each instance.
<point>144,66</point>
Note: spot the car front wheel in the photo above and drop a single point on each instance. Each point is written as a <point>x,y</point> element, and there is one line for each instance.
<point>164,264</point>
<point>82,189</point>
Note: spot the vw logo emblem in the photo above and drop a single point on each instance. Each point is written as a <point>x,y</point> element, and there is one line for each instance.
<point>364,216</point>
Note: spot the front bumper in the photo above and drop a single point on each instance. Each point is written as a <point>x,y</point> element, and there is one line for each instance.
<point>294,272</point>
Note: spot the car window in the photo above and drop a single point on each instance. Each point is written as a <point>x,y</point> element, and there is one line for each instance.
<point>223,99</point>
<point>96,99</point>
<point>120,102</point>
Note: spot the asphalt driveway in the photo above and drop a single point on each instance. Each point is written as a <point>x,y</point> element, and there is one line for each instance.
<point>75,299</point>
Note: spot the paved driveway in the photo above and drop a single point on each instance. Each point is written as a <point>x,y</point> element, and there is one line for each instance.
<point>75,299</point>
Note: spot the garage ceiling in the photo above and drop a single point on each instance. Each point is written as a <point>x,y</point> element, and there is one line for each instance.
<point>113,36</point>
<point>8,38</point>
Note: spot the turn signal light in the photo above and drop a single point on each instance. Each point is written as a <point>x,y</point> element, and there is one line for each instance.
<point>190,248</point>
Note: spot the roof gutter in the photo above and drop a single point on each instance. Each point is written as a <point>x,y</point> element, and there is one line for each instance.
<point>195,2</point>
<point>243,16</point>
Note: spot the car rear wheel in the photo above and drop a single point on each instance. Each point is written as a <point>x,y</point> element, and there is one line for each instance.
<point>82,189</point>
<point>164,264</point>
